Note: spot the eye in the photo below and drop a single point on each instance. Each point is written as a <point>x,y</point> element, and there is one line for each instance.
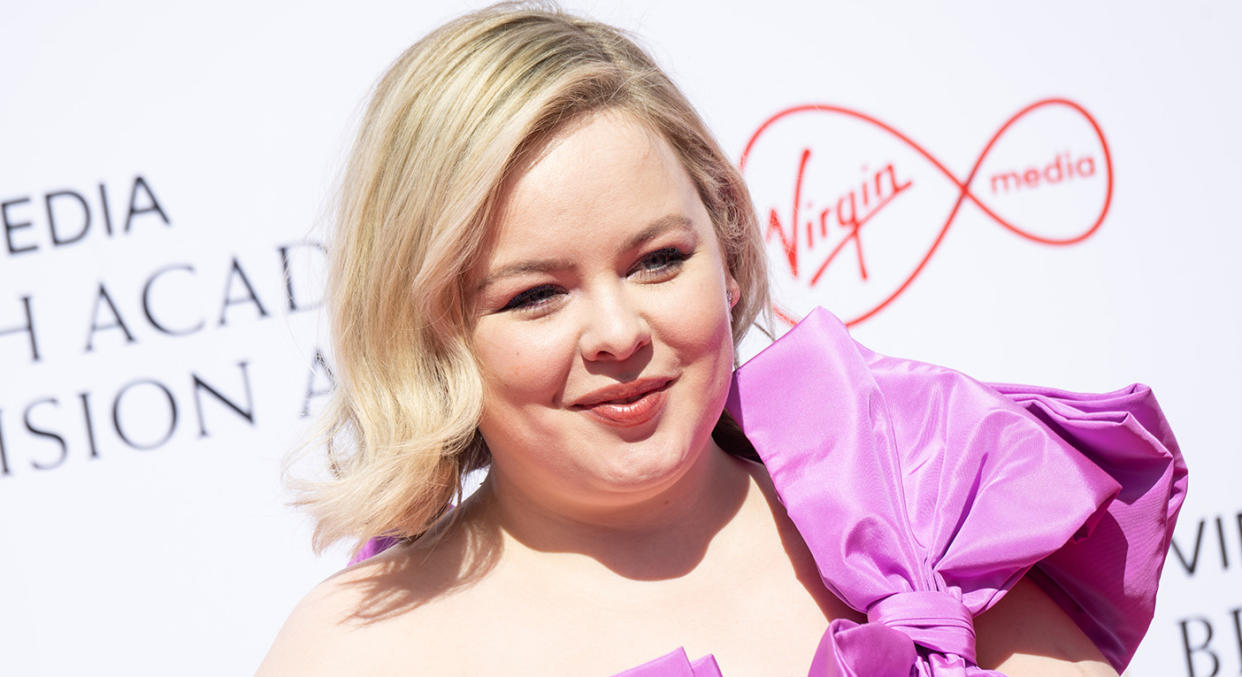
<point>533,298</point>
<point>661,263</point>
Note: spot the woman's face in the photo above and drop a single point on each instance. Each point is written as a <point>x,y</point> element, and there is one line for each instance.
<point>603,325</point>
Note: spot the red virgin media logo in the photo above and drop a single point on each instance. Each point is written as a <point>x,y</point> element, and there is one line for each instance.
<point>853,209</point>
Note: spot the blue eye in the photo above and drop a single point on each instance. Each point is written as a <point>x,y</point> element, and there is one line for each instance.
<point>532,298</point>
<point>661,261</point>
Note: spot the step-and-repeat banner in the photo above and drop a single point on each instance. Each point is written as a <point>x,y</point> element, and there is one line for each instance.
<point>1040,193</point>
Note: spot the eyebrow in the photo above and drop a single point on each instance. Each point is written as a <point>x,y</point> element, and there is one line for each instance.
<point>651,232</point>
<point>524,267</point>
<point>658,228</point>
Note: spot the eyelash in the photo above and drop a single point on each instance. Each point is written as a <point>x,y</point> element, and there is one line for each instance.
<point>667,262</point>
<point>531,298</point>
<point>669,259</point>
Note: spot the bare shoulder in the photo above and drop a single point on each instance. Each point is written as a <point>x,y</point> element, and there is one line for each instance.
<point>326,634</point>
<point>358,620</point>
<point>1026,633</point>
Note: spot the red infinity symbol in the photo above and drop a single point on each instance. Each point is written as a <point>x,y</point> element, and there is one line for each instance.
<point>963,185</point>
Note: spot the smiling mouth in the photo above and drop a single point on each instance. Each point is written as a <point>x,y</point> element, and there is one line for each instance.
<point>632,410</point>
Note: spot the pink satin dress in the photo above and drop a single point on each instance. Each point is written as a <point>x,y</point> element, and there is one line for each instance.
<point>924,496</point>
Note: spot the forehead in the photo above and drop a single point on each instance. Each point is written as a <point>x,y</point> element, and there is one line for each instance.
<point>604,173</point>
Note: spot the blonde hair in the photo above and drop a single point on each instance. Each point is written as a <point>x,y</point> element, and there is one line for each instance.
<point>448,122</point>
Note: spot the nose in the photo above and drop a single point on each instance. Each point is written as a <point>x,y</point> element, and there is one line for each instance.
<point>613,329</point>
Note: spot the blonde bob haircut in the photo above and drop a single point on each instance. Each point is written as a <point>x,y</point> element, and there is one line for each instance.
<point>447,123</point>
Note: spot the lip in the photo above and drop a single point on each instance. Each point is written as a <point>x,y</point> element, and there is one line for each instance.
<point>627,404</point>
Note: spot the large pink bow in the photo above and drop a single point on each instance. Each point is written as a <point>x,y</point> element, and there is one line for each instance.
<point>924,496</point>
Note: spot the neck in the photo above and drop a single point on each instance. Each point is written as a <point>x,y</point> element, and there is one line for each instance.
<point>656,536</point>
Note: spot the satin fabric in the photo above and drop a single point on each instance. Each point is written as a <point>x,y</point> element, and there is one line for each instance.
<point>924,496</point>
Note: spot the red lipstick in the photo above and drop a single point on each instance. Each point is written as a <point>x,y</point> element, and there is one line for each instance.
<point>627,404</point>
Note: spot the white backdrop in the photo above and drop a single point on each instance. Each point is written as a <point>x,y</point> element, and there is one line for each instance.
<point>163,167</point>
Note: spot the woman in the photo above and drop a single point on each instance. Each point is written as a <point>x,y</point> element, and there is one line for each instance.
<point>544,264</point>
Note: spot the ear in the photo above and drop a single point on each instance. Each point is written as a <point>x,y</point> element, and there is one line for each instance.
<point>733,290</point>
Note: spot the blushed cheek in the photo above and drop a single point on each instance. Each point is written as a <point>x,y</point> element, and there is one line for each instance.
<point>522,368</point>
<point>697,320</point>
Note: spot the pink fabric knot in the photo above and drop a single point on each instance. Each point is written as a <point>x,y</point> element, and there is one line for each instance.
<point>936,621</point>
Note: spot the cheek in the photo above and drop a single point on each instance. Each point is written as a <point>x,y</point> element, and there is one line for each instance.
<point>696,326</point>
<point>700,332</point>
<point>521,367</point>
<point>699,315</point>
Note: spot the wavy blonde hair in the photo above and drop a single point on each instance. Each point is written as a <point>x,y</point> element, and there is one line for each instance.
<point>447,123</point>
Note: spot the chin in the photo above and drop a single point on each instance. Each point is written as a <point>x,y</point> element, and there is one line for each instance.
<point>651,466</point>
